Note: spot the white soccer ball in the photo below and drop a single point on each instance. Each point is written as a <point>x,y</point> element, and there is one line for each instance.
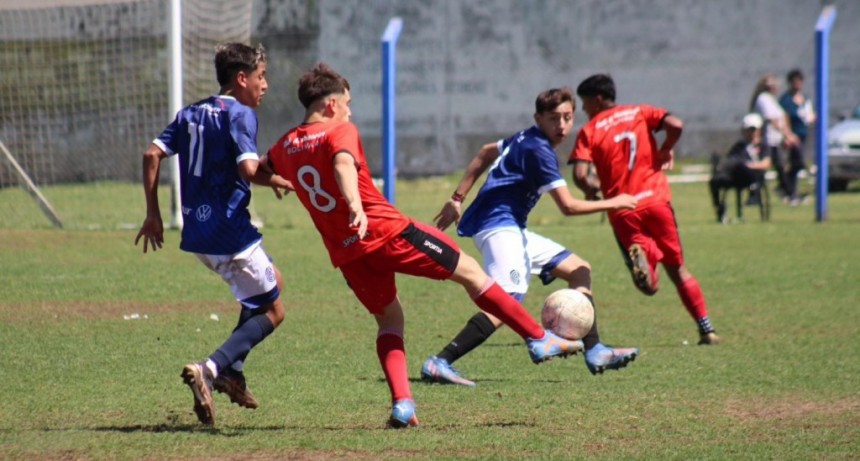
<point>567,313</point>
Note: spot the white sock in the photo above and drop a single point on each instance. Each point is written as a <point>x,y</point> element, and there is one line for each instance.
<point>212,367</point>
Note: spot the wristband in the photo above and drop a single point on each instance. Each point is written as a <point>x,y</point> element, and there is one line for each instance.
<point>458,197</point>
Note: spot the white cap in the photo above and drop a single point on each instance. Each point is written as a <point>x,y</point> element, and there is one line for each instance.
<point>752,120</point>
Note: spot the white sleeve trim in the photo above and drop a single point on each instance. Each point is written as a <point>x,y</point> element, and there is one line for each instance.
<point>553,185</point>
<point>247,156</point>
<point>162,146</point>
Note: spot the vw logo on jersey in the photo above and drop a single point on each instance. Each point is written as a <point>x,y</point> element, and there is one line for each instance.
<point>204,212</point>
<point>270,274</point>
<point>515,277</point>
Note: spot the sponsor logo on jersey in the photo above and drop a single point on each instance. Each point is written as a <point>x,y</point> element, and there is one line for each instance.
<point>433,246</point>
<point>306,142</point>
<point>621,116</point>
<point>186,210</point>
<point>204,212</point>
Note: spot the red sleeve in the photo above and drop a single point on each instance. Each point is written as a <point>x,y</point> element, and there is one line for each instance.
<point>582,148</point>
<point>345,138</point>
<point>653,116</point>
<point>274,155</point>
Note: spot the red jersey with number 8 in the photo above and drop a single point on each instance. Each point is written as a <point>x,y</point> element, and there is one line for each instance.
<point>305,157</point>
<point>620,143</point>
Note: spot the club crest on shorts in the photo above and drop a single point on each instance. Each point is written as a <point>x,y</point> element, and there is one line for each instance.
<point>270,274</point>
<point>515,277</point>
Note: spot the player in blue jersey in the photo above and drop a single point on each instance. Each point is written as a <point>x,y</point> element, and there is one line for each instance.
<point>521,169</point>
<point>216,142</point>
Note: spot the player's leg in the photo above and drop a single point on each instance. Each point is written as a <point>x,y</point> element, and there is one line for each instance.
<point>231,380</point>
<point>391,351</point>
<point>491,298</point>
<point>253,280</point>
<point>505,260</point>
<point>551,260</point>
<point>373,285</point>
<point>664,228</point>
<point>425,251</point>
<point>639,251</point>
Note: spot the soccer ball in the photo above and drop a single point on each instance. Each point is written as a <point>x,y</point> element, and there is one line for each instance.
<point>567,313</point>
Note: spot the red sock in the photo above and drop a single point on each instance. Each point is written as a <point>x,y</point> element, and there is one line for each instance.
<point>494,300</point>
<point>693,299</point>
<point>392,357</point>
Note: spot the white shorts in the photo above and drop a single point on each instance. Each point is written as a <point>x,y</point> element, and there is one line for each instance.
<point>249,273</point>
<point>511,255</point>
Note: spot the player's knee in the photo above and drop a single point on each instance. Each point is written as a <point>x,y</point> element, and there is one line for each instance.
<point>275,312</point>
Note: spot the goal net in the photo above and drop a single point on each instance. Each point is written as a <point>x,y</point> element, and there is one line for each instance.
<point>84,89</point>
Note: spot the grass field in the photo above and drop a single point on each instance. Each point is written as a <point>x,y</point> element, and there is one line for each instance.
<point>84,380</point>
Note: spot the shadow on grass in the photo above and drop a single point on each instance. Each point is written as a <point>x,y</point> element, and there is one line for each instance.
<point>186,428</point>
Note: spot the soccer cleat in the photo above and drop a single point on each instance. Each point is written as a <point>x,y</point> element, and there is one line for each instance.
<point>198,377</point>
<point>436,370</point>
<point>601,358</point>
<point>640,270</point>
<point>709,339</point>
<point>232,383</point>
<point>552,345</point>
<point>403,415</point>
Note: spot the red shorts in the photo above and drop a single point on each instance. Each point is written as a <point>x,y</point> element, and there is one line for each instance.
<point>655,229</point>
<point>420,250</point>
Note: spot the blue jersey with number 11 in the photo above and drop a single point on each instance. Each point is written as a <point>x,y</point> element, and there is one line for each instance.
<point>526,168</point>
<point>211,137</point>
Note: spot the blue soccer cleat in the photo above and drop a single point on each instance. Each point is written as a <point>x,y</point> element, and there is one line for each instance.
<point>601,358</point>
<point>403,415</point>
<point>552,345</point>
<point>436,370</point>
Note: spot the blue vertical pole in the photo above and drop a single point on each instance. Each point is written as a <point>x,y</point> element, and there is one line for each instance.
<point>389,80</point>
<point>822,62</point>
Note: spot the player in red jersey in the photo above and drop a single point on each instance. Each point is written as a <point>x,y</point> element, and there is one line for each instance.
<point>619,141</point>
<point>370,240</point>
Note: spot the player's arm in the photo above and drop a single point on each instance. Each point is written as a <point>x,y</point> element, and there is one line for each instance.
<point>584,180</point>
<point>259,172</point>
<point>152,229</point>
<point>346,174</point>
<point>451,210</point>
<point>673,126</point>
<point>569,206</point>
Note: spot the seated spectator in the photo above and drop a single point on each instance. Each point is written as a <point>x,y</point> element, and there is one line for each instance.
<point>743,167</point>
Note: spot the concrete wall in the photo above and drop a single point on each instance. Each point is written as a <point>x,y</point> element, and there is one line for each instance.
<point>468,71</point>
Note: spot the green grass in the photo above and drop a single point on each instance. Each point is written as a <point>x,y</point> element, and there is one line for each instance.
<point>82,382</point>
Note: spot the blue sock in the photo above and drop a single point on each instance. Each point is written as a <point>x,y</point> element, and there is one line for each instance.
<point>243,339</point>
<point>244,315</point>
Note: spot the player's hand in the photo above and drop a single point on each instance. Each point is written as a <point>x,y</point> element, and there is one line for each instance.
<point>449,214</point>
<point>152,231</point>
<point>625,202</point>
<point>358,221</point>
<point>791,140</point>
<point>667,159</point>
<point>282,187</point>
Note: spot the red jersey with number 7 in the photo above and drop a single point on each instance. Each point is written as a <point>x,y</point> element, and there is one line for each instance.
<point>620,143</point>
<point>305,156</point>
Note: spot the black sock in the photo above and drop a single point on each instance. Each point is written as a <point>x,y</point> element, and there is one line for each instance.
<point>705,326</point>
<point>476,331</point>
<point>244,338</point>
<point>593,337</point>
